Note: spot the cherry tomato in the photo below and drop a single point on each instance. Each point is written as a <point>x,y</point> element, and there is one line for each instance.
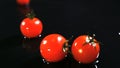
<point>85,49</point>
<point>31,27</point>
<point>23,2</point>
<point>51,48</point>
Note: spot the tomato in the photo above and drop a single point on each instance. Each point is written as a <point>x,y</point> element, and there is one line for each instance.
<point>31,28</point>
<point>51,48</point>
<point>85,49</point>
<point>23,2</point>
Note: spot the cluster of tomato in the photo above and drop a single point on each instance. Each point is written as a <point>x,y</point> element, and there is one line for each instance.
<point>54,47</point>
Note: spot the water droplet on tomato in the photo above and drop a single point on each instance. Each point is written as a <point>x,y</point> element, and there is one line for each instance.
<point>23,23</point>
<point>45,42</point>
<point>97,55</point>
<point>49,49</point>
<point>75,43</point>
<point>59,38</point>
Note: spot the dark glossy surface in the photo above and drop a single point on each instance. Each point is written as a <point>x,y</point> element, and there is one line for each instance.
<point>67,17</point>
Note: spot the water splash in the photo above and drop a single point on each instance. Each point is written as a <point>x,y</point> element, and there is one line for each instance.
<point>79,62</point>
<point>97,61</point>
<point>48,63</point>
<point>118,33</point>
<point>25,37</point>
<point>96,66</point>
<point>44,61</point>
<point>39,35</point>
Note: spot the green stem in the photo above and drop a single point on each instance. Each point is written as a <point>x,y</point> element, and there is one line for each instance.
<point>31,14</point>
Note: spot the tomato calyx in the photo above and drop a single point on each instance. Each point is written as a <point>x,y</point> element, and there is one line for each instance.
<point>91,41</point>
<point>31,14</point>
<point>66,47</point>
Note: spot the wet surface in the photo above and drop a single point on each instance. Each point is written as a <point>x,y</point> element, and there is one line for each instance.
<point>66,18</point>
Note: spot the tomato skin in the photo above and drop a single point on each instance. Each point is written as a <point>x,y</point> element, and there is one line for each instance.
<point>84,53</point>
<point>51,48</point>
<point>23,2</point>
<point>31,28</point>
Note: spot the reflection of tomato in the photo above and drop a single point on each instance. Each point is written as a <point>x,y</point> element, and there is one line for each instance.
<point>23,2</point>
<point>31,27</point>
<point>85,49</point>
<point>51,48</point>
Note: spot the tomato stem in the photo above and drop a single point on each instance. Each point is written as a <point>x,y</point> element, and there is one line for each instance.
<point>31,14</point>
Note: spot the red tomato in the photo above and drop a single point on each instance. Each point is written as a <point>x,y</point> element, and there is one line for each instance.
<point>85,49</point>
<point>51,48</point>
<point>23,2</point>
<point>31,27</point>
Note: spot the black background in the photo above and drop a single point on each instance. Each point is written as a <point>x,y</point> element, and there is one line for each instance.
<point>66,17</point>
